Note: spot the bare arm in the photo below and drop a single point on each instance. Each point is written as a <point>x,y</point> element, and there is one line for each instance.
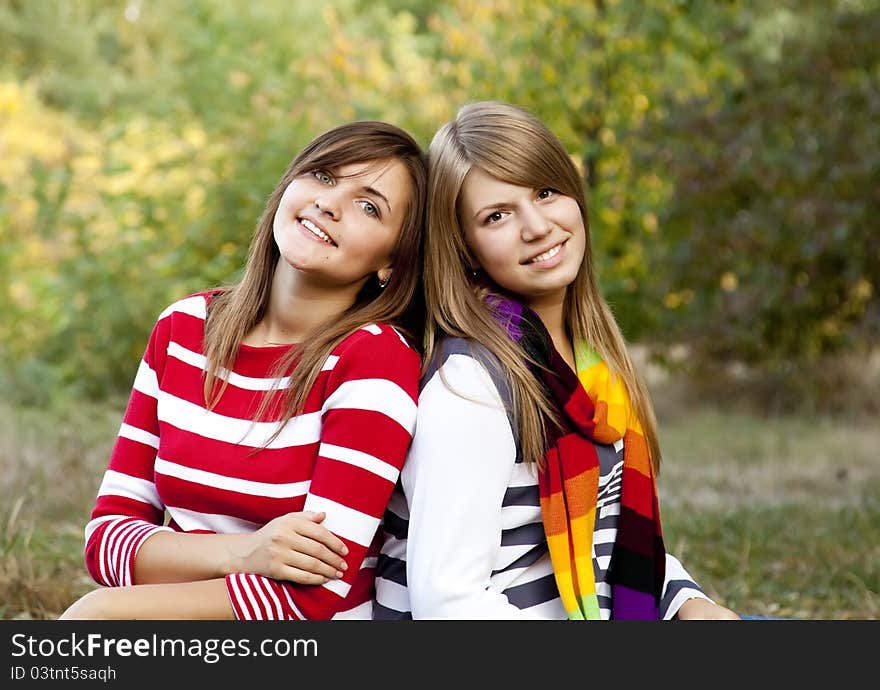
<point>204,600</point>
<point>293,547</point>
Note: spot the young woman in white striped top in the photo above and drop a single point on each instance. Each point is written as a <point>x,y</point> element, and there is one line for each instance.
<point>529,488</point>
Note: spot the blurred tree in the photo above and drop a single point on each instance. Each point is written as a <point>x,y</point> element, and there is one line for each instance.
<point>595,71</point>
<point>771,251</point>
<point>728,149</point>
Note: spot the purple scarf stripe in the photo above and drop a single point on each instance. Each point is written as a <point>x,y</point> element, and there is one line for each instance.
<point>631,605</point>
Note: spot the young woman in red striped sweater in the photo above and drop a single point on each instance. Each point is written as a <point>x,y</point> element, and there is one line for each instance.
<point>269,420</point>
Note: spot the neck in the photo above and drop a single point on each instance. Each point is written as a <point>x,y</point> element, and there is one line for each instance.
<point>551,311</point>
<point>297,307</point>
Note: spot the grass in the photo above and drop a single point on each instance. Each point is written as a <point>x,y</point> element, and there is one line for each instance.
<point>53,460</point>
<point>773,516</point>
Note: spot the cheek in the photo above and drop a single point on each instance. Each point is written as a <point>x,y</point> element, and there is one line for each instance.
<point>489,252</point>
<point>283,213</point>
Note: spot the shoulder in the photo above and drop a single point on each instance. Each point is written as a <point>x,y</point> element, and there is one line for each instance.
<point>193,305</point>
<point>375,337</point>
<point>468,365</point>
<point>379,348</point>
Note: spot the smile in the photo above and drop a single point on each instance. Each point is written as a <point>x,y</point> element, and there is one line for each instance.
<point>546,256</point>
<point>316,231</point>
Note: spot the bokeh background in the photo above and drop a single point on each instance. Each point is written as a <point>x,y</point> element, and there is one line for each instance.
<point>731,156</point>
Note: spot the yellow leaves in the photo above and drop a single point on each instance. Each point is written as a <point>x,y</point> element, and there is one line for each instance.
<point>21,294</point>
<point>80,300</point>
<point>641,102</point>
<point>330,16</point>
<point>194,201</point>
<point>728,281</point>
<point>10,98</point>
<point>673,300</point>
<point>194,136</point>
<point>132,216</point>
<point>29,130</point>
<point>378,72</point>
<point>830,327</point>
<point>86,166</point>
<point>456,39</point>
<point>339,62</point>
<point>23,212</point>
<point>609,216</point>
<point>862,290</point>
<point>607,136</point>
<point>484,13</point>
<point>649,222</point>
<point>238,79</point>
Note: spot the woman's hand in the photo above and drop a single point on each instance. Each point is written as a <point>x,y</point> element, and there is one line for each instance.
<point>293,547</point>
<point>703,609</point>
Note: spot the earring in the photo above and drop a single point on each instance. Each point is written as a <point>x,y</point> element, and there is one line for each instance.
<point>383,282</point>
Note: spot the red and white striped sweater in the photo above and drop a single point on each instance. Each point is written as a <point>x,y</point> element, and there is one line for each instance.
<point>341,455</point>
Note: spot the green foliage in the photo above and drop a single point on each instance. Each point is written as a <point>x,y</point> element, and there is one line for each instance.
<point>728,149</point>
<point>771,254</point>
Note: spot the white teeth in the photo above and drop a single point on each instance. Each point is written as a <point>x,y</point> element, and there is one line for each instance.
<point>553,251</point>
<point>315,230</point>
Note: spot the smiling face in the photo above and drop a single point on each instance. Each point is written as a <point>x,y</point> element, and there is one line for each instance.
<point>530,242</point>
<point>338,227</point>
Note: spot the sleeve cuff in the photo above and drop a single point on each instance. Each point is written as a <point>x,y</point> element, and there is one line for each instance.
<point>681,596</point>
<point>119,546</point>
<point>254,597</point>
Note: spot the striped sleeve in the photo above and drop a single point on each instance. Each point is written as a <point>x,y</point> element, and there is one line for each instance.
<point>367,421</point>
<point>128,509</point>
<point>678,588</point>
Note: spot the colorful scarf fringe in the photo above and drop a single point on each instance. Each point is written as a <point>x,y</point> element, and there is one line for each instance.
<point>594,408</point>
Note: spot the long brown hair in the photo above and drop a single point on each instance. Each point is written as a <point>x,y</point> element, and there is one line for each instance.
<point>515,147</point>
<point>239,307</point>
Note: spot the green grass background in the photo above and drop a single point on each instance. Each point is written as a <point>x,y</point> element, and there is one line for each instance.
<point>773,516</point>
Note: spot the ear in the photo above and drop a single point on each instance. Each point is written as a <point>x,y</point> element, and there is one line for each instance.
<point>384,275</point>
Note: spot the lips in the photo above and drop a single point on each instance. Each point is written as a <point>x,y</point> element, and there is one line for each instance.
<point>546,254</point>
<point>316,230</point>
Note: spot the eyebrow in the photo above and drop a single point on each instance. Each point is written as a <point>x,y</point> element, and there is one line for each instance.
<point>492,207</point>
<point>376,192</point>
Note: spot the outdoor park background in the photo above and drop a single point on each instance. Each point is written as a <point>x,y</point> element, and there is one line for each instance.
<point>731,152</point>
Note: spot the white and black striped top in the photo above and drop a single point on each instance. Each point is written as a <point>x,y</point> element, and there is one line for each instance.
<point>463,531</point>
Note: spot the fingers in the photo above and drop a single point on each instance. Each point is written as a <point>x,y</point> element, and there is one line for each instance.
<point>309,548</point>
<point>311,564</point>
<point>300,577</point>
<point>321,534</point>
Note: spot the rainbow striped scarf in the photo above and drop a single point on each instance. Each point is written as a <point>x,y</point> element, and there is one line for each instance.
<point>593,407</point>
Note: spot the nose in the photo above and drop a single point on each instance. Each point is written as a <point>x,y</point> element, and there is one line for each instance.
<point>328,204</point>
<point>535,225</point>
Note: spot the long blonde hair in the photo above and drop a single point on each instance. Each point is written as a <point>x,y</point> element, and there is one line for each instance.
<point>515,147</point>
<point>239,307</point>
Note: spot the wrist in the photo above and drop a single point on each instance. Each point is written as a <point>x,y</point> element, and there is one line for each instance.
<point>234,555</point>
